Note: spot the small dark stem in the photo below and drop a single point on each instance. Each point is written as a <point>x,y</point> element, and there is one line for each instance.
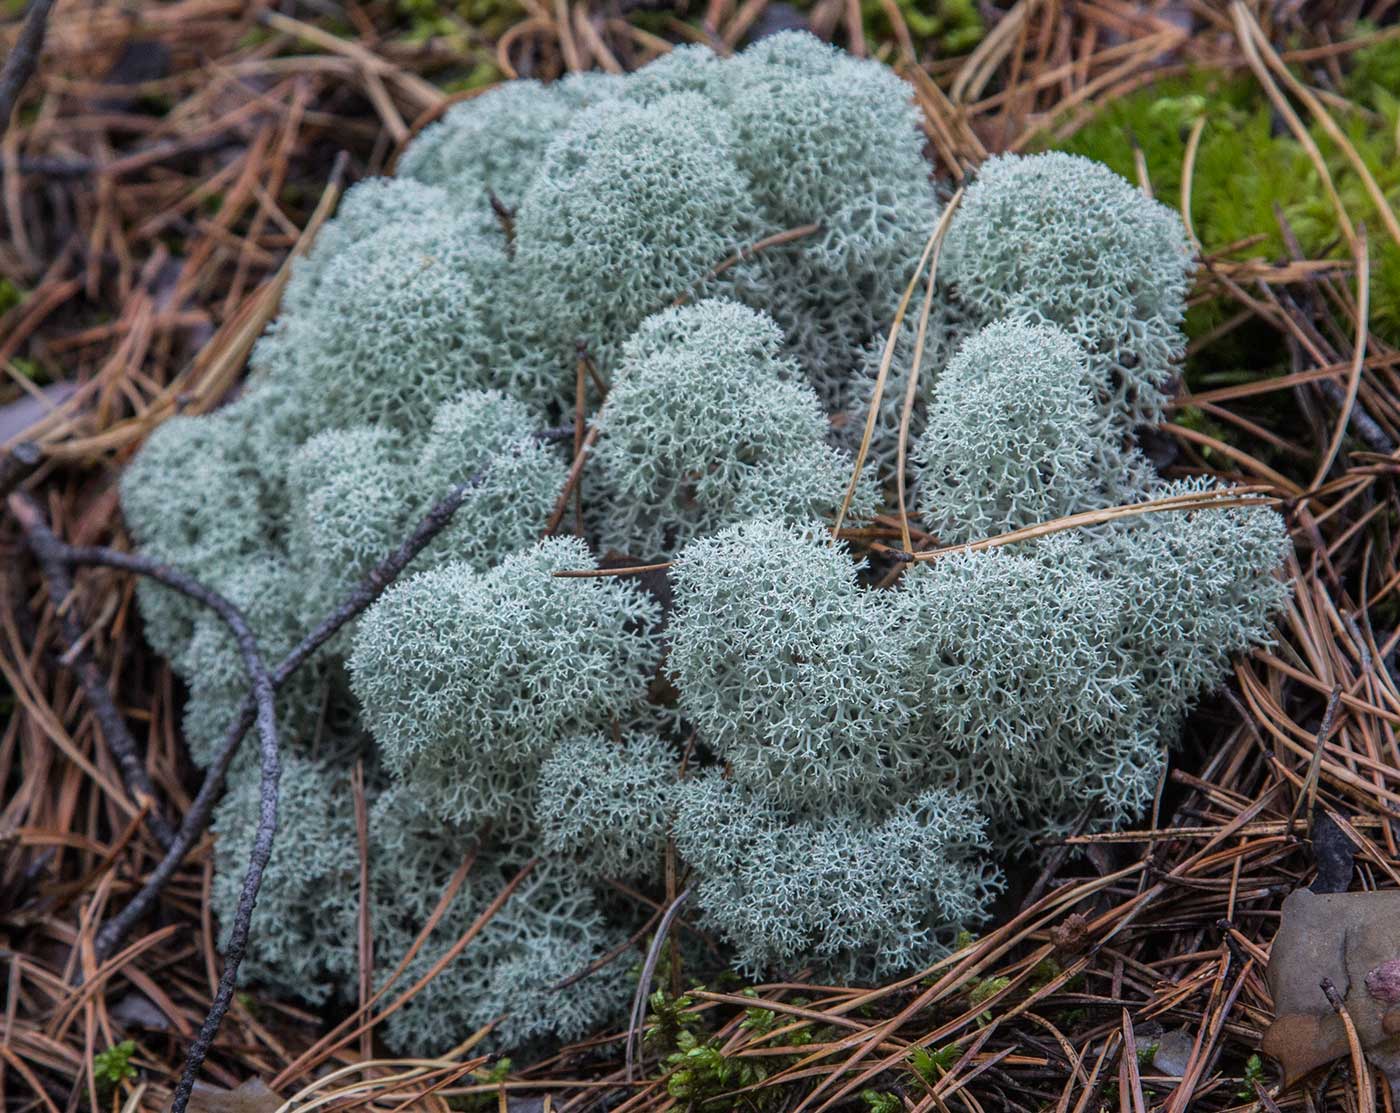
<point>365,593</point>
<point>369,589</point>
<point>639,1003</point>
<point>258,707</point>
<point>506,216</point>
<point>57,559</point>
<point>54,560</point>
<point>17,465</point>
<point>19,66</point>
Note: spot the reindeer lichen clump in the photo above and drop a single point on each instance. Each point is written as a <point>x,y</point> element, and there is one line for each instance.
<point>705,257</point>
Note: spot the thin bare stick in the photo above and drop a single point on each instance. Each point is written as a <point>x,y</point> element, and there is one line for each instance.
<point>23,58</point>
<point>639,1002</point>
<point>1308,796</point>
<point>261,694</point>
<point>369,589</point>
<point>52,557</point>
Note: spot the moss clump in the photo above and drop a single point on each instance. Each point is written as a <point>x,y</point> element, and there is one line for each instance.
<point>112,1067</point>
<point>948,26</point>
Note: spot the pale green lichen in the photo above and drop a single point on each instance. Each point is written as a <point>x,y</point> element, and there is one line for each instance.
<point>468,679</point>
<point>832,763</point>
<point>708,423</point>
<point>1060,240</point>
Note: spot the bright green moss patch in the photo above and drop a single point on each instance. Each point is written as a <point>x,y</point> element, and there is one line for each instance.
<point>1248,174</point>
<point>950,26</point>
<point>112,1067</point>
<point>10,295</point>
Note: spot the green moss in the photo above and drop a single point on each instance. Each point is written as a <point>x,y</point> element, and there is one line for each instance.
<point>1191,418</point>
<point>1375,69</point>
<point>10,295</point>
<point>1253,1076</point>
<point>1246,175</point>
<point>702,1077</point>
<point>30,369</point>
<point>254,36</point>
<point>1385,291</point>
<point>1241,169</point>
<point>985,990</point>
<point>698,1074</point>
<point>460,20</point>
<point>495,1074</point>
<point>670,1019</point>
<point>481,74</point>
<point>112,1067</point>
<point>929,1064</point>
<point>951,26</point>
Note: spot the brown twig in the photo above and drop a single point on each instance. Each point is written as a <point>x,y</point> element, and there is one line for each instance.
<point>55,560</point>
<point>59,557</point>
<point>23,58</point>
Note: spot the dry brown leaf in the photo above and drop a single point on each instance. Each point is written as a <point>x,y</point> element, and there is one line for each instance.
<point>1354,940</point>
<point>252,1096</point>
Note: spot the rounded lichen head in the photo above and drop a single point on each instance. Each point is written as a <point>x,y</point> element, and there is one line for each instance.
<point>1009,438</point>
<point>1061,240</point>
<point>467,679</point>
<point>707,424</point>
<point>785,667</point>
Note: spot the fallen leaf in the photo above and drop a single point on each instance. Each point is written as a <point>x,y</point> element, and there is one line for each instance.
<point>137,1009</point>
<point>252,1096</point>
<point>1383,983</point>
<point>1334,853</point>
<point>1353,939</point>
<point>1173,1053</point>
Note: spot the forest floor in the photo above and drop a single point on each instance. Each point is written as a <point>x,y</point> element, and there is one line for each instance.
<point>161,165</point>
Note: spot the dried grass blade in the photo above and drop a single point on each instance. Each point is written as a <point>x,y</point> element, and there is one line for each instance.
<point>886,359</point>
<point>1358,355</point>
<point>911,388</point>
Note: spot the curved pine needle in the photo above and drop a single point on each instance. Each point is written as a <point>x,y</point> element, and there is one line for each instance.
<point>1225,499</point>
<point>1358,356</point>
<point>1248,32</point>
<point>1188,175</point>
<point>911,388</point>
<point>886,358</point>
